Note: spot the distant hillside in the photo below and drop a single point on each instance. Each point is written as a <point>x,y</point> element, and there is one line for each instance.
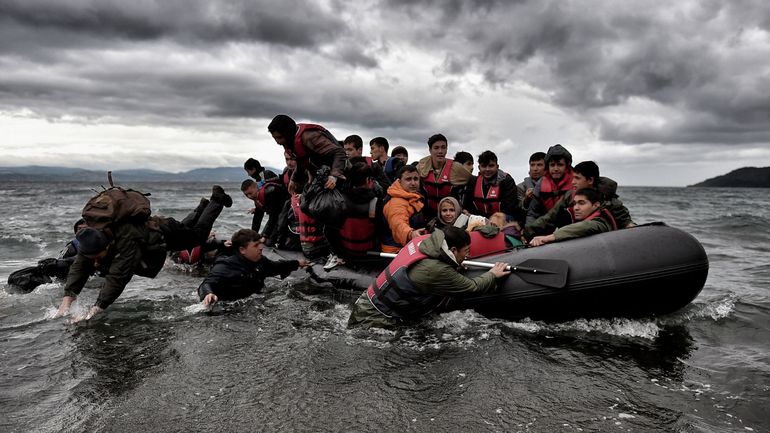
<point>746,177</point>
<point>37,173</point>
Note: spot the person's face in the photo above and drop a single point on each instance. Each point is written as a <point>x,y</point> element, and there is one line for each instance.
<point>278,138</point>
<point>351,151</point>
<point>488,171</point>
<point>557,168</point>
<point>448,212</point>
<point>252,251</point>
<point>438,152</point>
<point>461,253</point>
<point>290,161</point>
<point>81,227</point>
<point>376,151</point>
<point>410,181</point>
<point>583,208</point>
<point>579,181</point>
<point>402,156</point>
<point>251,192</point>
<point>251,171</point>
<point>536,169</point>
<point>468,166</point>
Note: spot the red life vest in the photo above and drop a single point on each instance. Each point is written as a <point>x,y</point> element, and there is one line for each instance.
<point>436,189</point>
<point>189,257</point>
<point>368,160</point>
<point>482,246</point>
<point>551,192</point>
<point>296,147</point>
<point>261,192</point>
<point>599,213</point>
<point>358,235</point>
<point>286,177</point>
<point>486,204</point>
<point>393,294</point>
<point>310,231</point>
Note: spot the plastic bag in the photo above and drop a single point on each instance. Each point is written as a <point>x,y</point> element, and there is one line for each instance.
<point>328,206</point>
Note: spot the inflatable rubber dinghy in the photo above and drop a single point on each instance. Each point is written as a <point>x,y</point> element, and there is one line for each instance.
<point>647,270</point>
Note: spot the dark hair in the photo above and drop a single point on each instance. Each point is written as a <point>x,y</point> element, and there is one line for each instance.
<point>283,125</point>
<point>252,164</point>
<point>588,169</point>
<point>242,237</point>
<point>399,149</point>
<point>405,169</point>
<point>436,137</point>
<point>456,237</point>
<point>462,157</point>
<point>358,172</point>
<point>355,140</point>
<point>486,157</point>
<point>77,223</point>
<point>591,194</point>
<point>246,184</point>
<point>382,142</point>
<point>537,156</point>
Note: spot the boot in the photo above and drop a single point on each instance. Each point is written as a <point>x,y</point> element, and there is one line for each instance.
<point>218,195</point>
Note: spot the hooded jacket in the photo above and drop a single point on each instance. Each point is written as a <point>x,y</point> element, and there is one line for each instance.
<point>235,277</point>
<point>437,274</point>
<point>399,208</point>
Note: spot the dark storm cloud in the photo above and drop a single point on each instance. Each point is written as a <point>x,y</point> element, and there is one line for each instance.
<point>593,57</point>
<point>289,22</point>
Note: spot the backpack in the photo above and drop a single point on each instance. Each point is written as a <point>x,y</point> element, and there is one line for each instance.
<point>116,205</point>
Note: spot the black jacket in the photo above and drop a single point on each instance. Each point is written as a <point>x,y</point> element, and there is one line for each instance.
<point>236,277</point>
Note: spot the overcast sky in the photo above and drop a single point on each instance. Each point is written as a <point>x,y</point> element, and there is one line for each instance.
<point>656,92</point>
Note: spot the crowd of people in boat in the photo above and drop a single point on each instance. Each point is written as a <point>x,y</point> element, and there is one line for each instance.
<point>336,205</point>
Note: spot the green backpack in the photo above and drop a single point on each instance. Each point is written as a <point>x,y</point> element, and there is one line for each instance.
<point>116,205</point>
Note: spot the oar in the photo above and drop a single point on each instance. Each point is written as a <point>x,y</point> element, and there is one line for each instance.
<point>543,272</point>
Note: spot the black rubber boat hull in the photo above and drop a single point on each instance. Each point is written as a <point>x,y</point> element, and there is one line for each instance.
<point>644,271</point>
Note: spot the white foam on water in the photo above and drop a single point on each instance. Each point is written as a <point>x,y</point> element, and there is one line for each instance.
<point>195,309</point>
<point>620,327</point>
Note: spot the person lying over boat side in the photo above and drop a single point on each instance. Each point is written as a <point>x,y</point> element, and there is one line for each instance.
<point>402,211</point>
<point>592,218</point>
<point>421,280</point>
<point>585,175</point>
<point>131,248</point>
<point>243,273</point>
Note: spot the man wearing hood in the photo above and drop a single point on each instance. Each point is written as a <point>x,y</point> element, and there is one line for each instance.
<point>421,280</point>
<point>313,146</point>
<point>493,190</point>
<point>554,184</point>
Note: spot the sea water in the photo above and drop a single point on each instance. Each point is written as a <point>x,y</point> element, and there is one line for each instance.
<point>285,360</point>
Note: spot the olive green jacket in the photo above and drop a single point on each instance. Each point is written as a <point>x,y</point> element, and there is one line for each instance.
<point>436,274</point>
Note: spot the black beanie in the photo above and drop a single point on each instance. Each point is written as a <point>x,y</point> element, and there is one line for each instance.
<point>558,151</point>
<point>91,241</point>
<point>283,125</point>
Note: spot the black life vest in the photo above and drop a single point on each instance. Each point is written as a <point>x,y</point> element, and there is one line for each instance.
<point>489,203</point>
<point>310,231</point>
<point>393,294</point>
<point>436,189</point>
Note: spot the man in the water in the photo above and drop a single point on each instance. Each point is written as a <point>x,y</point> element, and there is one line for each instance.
<point>243,273</point>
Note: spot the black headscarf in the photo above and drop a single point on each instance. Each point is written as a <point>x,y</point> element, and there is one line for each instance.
<point>285,126</point>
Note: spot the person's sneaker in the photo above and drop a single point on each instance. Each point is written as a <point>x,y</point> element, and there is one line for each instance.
<point>218,195</point>
<point>333,262</point>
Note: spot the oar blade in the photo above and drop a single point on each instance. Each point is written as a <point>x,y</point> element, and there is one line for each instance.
<point>548,272</point>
